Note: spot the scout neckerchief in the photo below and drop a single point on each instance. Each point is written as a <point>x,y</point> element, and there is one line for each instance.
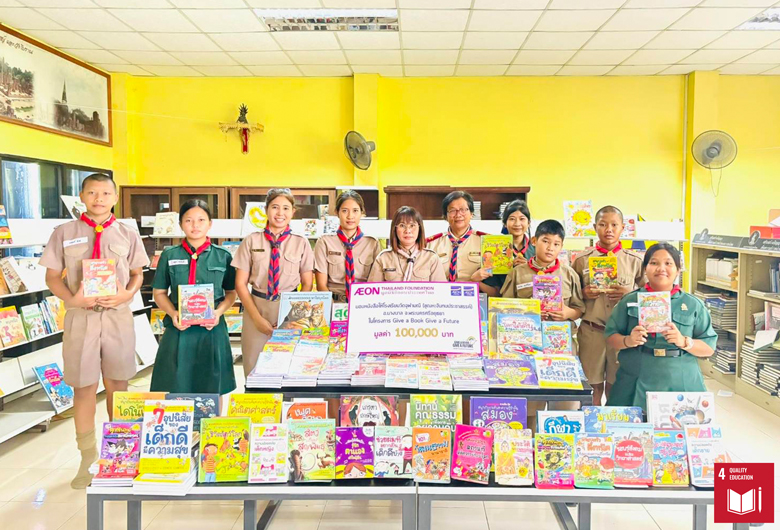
<point>194,257</point>
<point>274,267</point>
<point>675,289</point>
<point>606,252</point>
<point>453,272</point>
<point>522,252</point>
<point>349,261</point>
<point>411,257</point>
<point>549,270</point>
<point>98,231</point>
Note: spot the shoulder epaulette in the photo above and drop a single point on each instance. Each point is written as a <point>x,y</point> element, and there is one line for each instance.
<point>434,238</point>
<point>430,250</point>
<point>477,232</point>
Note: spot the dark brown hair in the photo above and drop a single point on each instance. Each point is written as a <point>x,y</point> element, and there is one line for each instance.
<point>97,177</point>
<point>350,195</point>
<point>194,203</point>
<point>407,214</point>
<point>279,192</point>
<point>673,252</point>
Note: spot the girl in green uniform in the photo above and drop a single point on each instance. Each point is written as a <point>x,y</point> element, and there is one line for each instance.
<point>194,359</point>
<point>663,362</point>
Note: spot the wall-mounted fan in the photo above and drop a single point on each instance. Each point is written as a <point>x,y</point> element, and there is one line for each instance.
<point>358,150</point>
<point>714,150</point>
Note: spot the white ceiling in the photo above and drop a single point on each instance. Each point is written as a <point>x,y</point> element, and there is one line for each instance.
<point>437,37</point>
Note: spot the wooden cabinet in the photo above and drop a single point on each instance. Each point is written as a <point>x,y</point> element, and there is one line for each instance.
<point>427,199</point>
<point>307,201</point>
<point>216,198</point>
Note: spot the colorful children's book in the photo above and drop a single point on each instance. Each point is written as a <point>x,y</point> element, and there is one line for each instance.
<point>670,459</point>
<point>129,406</point>
<point>497,254</point>
<point>704,444</point>
<point>471,454</point>
<point>260,408</point>
<point>401,373</point>
<point>436,410</point>
<point>512,373</point>
<point>361,411</point>
<point>597,417</point>
<point>593,464</point>
<point>392,452</point>
<point>339,313</point>
<point>268,453</point>
<point>99,277</point>
<point>548,290</point>
<point>431,449</point>
<point>5,231</point>
<point>304,410</point>
<point>513,306</point>
<point>558,371</point>
<point>560,421</point>
<point>206,406</point>
<point>354,452</point>
<point>59,393</point>
<point>166,224</point>
<point>57,307</point>
<point>578,218</point>
<point>556,338</point>
<point>305,310</point>
<point>519,333</point>
<point>224,450</point>
<point>312,450</point>
<point>11,327</point>
<point>498,412</point>
<point>33,321</point>
<point>655,310</point>
<point>196,304</point>
<point>554,461</point>
<point>603,272</point>
<point>13,280</point>
<point>674,410</point>
<point>120,450</point>
<point>633,454</point>
<point>513,455</point>
<point>156,321</point>
<point>166,443</point>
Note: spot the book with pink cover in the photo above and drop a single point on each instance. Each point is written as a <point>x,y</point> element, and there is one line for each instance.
<point>471,454</point>
<point>547,289</point>
<point>655,310</point>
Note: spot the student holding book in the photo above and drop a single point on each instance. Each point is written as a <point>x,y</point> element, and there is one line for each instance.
<point>273,261</point>
<point>599,362</point>
<point>99,338</point>
<point>659,362</point>
<point>345,258</point>
<point>407,259</point>
<point>194,359</point>
<point>517,223</point>
<point>460,249</point>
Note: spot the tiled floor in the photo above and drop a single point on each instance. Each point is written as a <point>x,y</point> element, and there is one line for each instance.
<point>35,471</point>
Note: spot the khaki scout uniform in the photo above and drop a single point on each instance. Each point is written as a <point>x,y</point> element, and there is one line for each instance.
<point>329,255</point>
<point>96,339</point>
<point>253,255</point>
<point>390,267</point>
<point>597,359</point>
<point>469,254</point>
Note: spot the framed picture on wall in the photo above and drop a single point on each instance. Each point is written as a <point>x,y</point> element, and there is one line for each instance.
<point>43,88</point>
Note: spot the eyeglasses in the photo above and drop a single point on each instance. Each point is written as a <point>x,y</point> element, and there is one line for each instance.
<point>404,227</point>
<point>456,211</point>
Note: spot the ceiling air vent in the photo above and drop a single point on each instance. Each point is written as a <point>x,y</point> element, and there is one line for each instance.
<point>768,20</point>
<point>329,19</point>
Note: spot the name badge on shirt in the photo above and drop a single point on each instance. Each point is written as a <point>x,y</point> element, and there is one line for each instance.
<point>175,262</point>
<point>474,253</point>
<point>389,270</point>
<point>71,242</point>
<point>442,254</point>
<point>258,250</point>
<point>334,253</point>
<point>632,304</point>
<point>525,285</point>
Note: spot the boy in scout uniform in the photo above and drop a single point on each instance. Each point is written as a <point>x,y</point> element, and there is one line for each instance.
<point>599,362</point>
<point>460,249</point>
<point>273,261</point>
<point>99,336</point>
<point>346,257</point>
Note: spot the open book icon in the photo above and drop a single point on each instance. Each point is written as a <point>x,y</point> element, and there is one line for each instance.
<point>744,503</point>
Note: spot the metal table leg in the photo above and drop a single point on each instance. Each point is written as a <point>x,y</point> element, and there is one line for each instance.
<point>409,513</point>
<point>266,517</point>
<point>423,513</point>
<point>134,515</point>
<point>94,512</point>
<point>699,517</point>
<point>561,512</point>
<point>583,516</point>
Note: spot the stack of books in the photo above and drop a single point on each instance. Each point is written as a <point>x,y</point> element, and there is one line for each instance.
<point>338,369</point>
<point>372,371</point>
<point>176,484</point>
<point>724,311</point>
<point>434,374</point>
<point>465,379</point>
<point>402,372</point>
<point>749,372</point>
<point>769,377</point>
<point>477,210</point>
<point>306,362</point>
<point>725,357</point>
<point>274,361</point>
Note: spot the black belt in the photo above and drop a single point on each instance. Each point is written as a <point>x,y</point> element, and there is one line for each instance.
<point>666,353</point>
<point>258,294</point>
<point>595,326</point>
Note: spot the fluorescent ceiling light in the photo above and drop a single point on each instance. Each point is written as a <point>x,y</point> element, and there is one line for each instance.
<point>329,19</point>
<point>768,20</point>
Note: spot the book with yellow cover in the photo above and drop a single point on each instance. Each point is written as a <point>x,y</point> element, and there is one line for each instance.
<point>603,272</point>
<point>129,406</point>
<point>497,253</point>
<point>260,408</point>
<point>11,327</point>
<point>513,306</point>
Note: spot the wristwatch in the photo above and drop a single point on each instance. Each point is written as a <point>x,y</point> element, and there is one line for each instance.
<point>688,344</point>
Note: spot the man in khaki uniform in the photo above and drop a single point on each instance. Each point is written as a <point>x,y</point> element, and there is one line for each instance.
<point>599,362</point>
<point>252,258</point>
<point>99,334</point>
<point>329,254</point>
<point>460,248</point>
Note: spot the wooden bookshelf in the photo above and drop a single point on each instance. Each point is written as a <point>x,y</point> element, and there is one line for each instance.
<point>753,274</point>
<point>427,199</point>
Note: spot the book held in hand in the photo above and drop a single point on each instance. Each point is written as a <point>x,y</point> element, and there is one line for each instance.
<point>497,254</point>
<point>196,304</point>
<point>99,277</point>
<point>547,289</point>
<point>602,271</point>
<point>655,311</point>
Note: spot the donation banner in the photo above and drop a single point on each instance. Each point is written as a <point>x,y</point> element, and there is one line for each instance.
<point>414,317</point>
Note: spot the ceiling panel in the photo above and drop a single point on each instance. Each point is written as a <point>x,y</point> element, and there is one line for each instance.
<point>494,40</point>
<point>433,20</point>
<point>643,19</point>
<point>539,40</point>
<point>182,42</point>
<point>431,40</point>
<point>503,20</point>
<point>532,70</point>
<point>581,20</point>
